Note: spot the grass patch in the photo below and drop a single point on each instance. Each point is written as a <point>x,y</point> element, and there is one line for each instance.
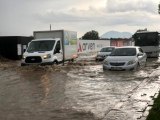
<point>154,113</point>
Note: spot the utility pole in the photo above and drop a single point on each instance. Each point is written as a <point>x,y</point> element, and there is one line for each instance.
<point>50,27</point>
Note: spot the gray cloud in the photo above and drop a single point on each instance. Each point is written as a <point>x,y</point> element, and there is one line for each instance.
<point>22,17</point>
<point>101,17</point>
<point>128,5</point>
<point>59,17</point>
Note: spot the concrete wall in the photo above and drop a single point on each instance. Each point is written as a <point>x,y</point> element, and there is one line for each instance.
<point>91,46</point>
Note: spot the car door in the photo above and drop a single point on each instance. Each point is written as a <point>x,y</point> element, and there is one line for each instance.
<point>141,56</point>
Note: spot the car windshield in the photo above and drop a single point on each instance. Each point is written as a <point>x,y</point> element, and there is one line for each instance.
<point>46,45</point>
<point>124,52</point>
<point>107,49</point>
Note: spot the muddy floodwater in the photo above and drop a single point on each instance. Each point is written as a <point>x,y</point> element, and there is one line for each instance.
<point>76,91</point>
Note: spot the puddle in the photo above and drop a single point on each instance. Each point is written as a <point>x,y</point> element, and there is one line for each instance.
<point>75,91</point>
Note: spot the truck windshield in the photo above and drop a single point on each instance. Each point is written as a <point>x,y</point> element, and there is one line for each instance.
<point>46,45</point>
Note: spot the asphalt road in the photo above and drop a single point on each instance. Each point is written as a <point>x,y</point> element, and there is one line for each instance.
<point>76,91</point>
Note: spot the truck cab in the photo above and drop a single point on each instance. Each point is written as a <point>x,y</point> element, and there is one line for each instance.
<point>43,51</point>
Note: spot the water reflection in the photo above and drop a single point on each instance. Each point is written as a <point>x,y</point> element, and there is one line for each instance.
<point>45,84</point>
<point>75,92</point>
<point>95,90</point>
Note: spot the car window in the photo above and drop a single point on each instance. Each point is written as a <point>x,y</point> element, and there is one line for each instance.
<point>140,50</point>
<point>124,52</point>
<point>107,49</point>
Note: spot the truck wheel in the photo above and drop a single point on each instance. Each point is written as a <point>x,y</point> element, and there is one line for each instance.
<point>22,64</point>
<point>55,62</point>
<point>72,60</point>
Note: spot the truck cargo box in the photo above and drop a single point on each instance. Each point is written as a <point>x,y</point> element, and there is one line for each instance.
<point>68,39</point>
<point>50,47</point>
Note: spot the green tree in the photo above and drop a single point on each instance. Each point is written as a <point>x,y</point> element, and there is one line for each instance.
<point>91,35</point>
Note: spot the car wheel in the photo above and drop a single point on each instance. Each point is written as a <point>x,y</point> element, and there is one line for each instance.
<point>97,60</point>
<point>137,67</point>
<point>104,69</point>
<point>145,64</point>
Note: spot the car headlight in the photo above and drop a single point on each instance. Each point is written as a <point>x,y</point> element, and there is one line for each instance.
<point>98,55</point>
<point>131,62</point>
<point>47,56</point>
<point>105,56</point>
<point>105,62</point>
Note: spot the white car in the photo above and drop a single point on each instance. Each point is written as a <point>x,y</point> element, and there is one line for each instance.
<point>104,52</point>
<point>125,58</point>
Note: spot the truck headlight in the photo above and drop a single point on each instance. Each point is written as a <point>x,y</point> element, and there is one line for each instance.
<point>131,62</point>
<point>47,56</point>
<point>23,57</point>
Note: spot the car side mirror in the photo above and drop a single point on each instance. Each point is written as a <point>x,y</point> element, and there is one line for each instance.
<point>139,54</point>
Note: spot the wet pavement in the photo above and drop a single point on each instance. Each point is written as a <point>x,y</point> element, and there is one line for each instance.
<point>76,91</point>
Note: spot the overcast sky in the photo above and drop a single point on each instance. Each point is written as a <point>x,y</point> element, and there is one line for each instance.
<point>22,17</point>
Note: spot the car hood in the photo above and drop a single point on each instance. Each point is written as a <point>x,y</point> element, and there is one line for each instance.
<point>120,58</point>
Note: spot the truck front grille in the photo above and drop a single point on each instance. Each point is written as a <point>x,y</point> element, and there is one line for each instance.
<point>33,59</point>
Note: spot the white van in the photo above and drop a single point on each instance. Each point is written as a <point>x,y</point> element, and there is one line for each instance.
<point>43,50</point>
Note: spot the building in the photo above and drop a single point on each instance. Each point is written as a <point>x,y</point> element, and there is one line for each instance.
<point>119,42</point>
<point>12,47</point>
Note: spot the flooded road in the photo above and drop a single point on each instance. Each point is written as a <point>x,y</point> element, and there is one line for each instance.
<point>79,91</point>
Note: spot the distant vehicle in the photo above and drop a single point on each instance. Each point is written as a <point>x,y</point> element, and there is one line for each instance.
<point>47,49</point>
<point>104,52</point>
<point>148,41</point>
<point>125,58</point>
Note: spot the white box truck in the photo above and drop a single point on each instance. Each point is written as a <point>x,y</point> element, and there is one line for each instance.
<point>49,47</point>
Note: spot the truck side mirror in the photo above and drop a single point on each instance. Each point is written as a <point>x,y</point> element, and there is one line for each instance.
<point>56,51</point>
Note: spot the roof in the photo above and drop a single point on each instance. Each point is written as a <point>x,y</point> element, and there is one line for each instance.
<point>109,47</point>
<point>43,39</point>
<point>147,32</point>
<point>128,47</point>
